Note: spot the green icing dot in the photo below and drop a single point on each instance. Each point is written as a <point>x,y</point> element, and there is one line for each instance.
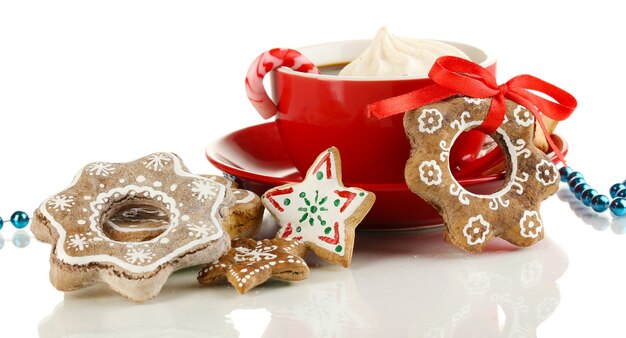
<point>336,202</point>
<point>338,248</point>
<point>320,175</point>
<point>327,230</point>
<point>302,194</point>
<point>313,209</point>
<point>287,201</point>
<point>298,229</point>
<point>361,194</point>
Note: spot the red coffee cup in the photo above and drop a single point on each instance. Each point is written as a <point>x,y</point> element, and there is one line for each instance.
<point>316,111</point>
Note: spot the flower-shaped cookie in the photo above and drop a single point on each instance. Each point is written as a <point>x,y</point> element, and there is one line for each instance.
<point>321,211</point>
<point>131,225</point>
<point>511,213</point>
<point>250,263</point>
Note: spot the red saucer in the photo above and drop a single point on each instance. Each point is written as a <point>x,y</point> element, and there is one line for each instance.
<point>256,159</point>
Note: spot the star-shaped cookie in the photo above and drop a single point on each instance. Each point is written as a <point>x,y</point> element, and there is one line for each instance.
<point>250,263</point>
<point>321,211</point>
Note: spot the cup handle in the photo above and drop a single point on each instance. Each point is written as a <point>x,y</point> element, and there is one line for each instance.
<point>265,63</point>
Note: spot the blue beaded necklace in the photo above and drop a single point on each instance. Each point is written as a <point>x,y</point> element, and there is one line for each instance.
<point>590,197</point>
<point>21,238</point>
<point>19,219</point>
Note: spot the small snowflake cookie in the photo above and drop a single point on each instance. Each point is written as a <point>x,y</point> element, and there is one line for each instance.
<point>321,211</point>
<point>130,225</point>
<point>250,262</point>
<point>511,213</point>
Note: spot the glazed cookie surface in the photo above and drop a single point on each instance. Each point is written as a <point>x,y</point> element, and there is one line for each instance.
<point>130,225</point>
<point>512,212</point>
<point>320,211</point>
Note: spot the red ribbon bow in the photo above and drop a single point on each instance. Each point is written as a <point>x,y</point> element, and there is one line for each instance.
<point>453,76</point>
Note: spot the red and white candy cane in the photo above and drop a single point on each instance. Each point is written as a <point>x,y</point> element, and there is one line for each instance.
<point>265,63</point>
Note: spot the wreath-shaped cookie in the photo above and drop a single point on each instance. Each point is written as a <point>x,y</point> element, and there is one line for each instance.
<point>130,225</point>
<point>511,213</point>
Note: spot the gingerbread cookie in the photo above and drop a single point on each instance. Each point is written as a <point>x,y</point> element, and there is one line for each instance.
<point>511,213</point>
<point>250,263</point>
<point>130,225</point>
<point>245,217</point>
<point>321,211</point>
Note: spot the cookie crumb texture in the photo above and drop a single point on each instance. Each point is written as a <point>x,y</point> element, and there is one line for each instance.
<point>130,225</point>
<point>471,220</point>
<point>250,263</point>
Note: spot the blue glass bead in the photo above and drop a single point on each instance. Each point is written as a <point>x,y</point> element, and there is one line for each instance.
<point>615,188</point>
<point>600,203</point>
<point>574,182</point>
<point>21,239</point>
<point>1,223</point>
<point>578,190</point>
<point>573,175</point>
<point>621,193</point>
<point>588,195</point>
<point>565,171</point>
<point>618,207</point>
<point>19,219</point>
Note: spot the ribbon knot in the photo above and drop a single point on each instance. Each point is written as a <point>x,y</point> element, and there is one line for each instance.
<point>455,76</point>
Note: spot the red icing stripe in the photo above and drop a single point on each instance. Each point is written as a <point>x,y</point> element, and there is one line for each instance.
<point>289,231</point>
<point>270,196</point>
<point>345,194</point>
<point>325,160</point>
<point>333,240</point>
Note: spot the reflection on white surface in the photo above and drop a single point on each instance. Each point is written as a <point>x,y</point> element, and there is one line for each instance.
<point>249,322</point>
<point>598,221</point>
<point>401,283</point>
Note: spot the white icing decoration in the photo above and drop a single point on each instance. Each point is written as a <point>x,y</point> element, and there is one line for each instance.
<point>546,173</point>
<point>523,116</point>
<point>138,256</point>
<point>173,187</point>
<point>81,222</point>
<point>157,162</point>
<point>530,224</point>
<point>473,100</point>
<point>200,229</point>
<point>254,255</point>
<point>430,173</point>
<point>203,189</point>
<point>157,184</point>
<point>61,203</point>
<point>140,179</point>
<point>155,263</point>
<point>476,227</point>
<point>101,169</point>
<point>429,121</point>
<point>77,242</point>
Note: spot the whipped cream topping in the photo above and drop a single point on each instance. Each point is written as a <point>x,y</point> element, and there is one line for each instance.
<point>390,55</point>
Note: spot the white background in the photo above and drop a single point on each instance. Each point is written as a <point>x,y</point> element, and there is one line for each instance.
<point>82,81</point>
